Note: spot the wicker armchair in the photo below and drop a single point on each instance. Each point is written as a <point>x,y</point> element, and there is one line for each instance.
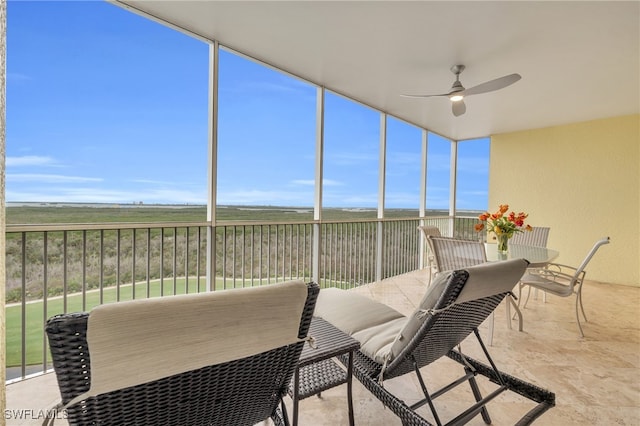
<point>453,307</point>
<point>206,366</point>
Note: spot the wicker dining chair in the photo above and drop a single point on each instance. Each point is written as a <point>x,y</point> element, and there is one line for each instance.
<point>218,358</point>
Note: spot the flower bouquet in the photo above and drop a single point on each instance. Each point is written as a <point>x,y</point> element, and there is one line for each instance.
<point>503,225</point>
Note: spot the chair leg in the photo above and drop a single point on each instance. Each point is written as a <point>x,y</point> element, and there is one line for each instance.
<point>491,325</point>
<point>527,299</point>
<point>578,316</point>
<point>544,295</point>
<point>280,416</point>
<point>478,396</point>
<point>510,301</point>
<point>579,295</point>
<point>428,399</point>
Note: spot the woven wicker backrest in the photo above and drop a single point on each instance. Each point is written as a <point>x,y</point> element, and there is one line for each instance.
<point>467,297</point>
<point>240,392</point>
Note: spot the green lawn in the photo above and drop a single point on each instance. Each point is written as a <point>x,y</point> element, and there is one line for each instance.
<point>36,317</point>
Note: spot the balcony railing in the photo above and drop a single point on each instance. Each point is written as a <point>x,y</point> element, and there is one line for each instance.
<point>53,269</point>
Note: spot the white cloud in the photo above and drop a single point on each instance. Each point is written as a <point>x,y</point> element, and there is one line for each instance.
<point>30,160</point>
<point>283,85</point>
<point>258,197</point>
<point>153,182</point>
<point>49,178</point>
<point>97,195</point>
<point>404,158</point>
<point>473,165</point>
<point>368,200</point>
<point>350,158</point>
<point>306,182</point>
<point>14,77</point>
<point>311,182</point>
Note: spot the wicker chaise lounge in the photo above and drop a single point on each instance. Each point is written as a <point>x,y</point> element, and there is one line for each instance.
<point>219,358</point>
<point>392,345</point>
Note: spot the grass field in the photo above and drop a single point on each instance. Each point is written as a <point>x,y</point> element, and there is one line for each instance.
<point>36,316</point>
<point>108,213</point>
<point>102,214</point>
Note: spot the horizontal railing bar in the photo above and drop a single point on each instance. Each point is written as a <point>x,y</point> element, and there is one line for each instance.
<point>53,227</point>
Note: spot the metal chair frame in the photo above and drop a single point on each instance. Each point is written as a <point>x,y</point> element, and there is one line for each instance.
<point>562,280</point>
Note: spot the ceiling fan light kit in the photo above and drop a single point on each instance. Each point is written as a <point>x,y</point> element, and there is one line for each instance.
<point>457,93</point>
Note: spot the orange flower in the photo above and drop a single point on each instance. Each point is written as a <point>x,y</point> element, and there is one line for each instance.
<point>502,222</point>
<point>529,228</point>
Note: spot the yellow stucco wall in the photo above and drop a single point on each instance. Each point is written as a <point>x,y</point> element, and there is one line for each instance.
<point>583,181</point>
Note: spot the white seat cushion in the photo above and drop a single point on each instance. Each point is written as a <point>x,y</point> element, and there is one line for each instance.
<point>144,340</point>
<point>373,324</point>
<point>383,332</point>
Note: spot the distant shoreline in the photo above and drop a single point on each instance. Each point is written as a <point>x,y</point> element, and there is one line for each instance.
<point>98,205</point>
<point>10,204</point>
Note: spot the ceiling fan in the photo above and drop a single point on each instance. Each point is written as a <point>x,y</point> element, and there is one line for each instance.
<point>458,92</point>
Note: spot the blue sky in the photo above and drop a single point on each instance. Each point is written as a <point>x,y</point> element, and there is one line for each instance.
<point>106,106</point>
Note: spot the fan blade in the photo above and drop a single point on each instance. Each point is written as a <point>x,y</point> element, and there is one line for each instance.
<point>458,108</point>
<point>422,96</point>
<point>490,86</point>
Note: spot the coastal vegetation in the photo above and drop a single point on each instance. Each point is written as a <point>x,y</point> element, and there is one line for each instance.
<point>81,255</point>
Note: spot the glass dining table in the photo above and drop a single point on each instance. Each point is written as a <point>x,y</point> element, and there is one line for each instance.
<point>538,257</point>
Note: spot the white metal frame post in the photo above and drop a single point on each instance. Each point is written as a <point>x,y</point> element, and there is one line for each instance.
<point>423,193</point>
<point>452,186</point>
<point>214,50</point>
<point>317,204</point>
<point>381,193</point>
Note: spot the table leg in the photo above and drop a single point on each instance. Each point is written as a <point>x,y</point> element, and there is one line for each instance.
<point>296,392</point>
<point>349,388</point>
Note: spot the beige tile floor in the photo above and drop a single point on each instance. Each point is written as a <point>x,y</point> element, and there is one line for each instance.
<point>596,379</point>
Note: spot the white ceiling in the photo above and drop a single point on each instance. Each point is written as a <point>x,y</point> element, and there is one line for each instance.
<point>578,60</point>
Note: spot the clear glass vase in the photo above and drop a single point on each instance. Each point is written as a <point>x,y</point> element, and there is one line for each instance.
<point>503,243</point>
